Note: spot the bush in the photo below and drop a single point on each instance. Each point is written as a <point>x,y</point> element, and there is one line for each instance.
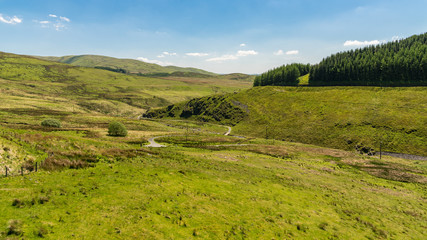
<point>51,123</point>
<point>14,227</point>
<point>117,129</point>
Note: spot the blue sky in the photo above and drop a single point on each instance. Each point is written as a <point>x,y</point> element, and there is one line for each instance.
<point>223,36</point>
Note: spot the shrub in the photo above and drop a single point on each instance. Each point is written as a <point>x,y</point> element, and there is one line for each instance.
<point>117,129</point>
<point>14,227</point>
<point>51,123</point>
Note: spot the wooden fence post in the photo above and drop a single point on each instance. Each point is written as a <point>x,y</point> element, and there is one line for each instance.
<point>22,171</point>
<point>6,170</point>
<point>36,166</point>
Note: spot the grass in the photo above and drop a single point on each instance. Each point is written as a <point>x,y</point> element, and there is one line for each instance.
<point>263,190</point>
<point>131,65</point>
<point>203,185</point>
<point>35,83</point>
<point>338,117</point>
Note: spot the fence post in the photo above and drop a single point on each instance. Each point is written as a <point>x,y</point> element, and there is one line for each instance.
<point>22,171</point>
<point>36,166</point>
<point>6,170</point>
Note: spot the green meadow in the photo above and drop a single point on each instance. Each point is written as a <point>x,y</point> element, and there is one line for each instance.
<point>258,183</point>
<point>204,185</point>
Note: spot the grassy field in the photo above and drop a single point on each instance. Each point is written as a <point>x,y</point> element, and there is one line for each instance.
<point>203,185</point>
<point>24,81</point>
<point>338,117</point>
<point>131,65</point>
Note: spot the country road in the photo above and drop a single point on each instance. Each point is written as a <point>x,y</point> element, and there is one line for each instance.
<point>228,132</point>
<point>155,144</point>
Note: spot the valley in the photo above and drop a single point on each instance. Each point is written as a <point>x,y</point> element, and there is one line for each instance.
<point>203,155</point>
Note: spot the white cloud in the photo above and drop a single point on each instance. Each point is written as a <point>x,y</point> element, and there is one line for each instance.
<point>197,54</point>
<point>292,52</point>
<point>65,19</point>
<point>246,53</point>
<point>164,54</point>
<point>169,54</point>
<point>59,24</point>
<point>9,20</point>
<point>232,57</point>
<point>279,52</point>
<point>154,61</point>
<point>395,38</point>
<point>222,58</point>
<point>243,44</point>
<point>356,43</point>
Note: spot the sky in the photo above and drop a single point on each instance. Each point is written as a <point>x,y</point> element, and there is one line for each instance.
<point>221,36</point>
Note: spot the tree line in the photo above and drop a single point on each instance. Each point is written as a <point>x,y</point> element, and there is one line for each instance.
<point>397,63</point>
<point>286,75</point>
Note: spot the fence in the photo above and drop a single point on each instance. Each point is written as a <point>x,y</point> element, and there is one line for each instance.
<point>22,170</point>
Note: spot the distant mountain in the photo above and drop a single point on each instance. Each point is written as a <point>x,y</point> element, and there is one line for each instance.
<point>129,65</point>
<point>42,84</point>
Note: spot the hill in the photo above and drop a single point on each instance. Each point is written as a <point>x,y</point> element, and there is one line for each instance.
<point>89,185</point>
<point>202,185</point>
<point>129,65</point>
<point>398,63</point>
<point>28,82</point>
<point>338,117</point>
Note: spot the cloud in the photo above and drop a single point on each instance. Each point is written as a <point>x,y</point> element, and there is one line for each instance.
<point>197,54</point>
<point>279,52</point>
<point>229,57</point>
<point>356,43</point>
<point>164,54</point>
<point>246,53</point>
<point>243,44</point>
<point>222,58</point>
<point>9,20</point>
<point>65,19</point>
<point>58,24</point>
<point>154,61</point>
<point>292,52</point>
<point>395,38</point>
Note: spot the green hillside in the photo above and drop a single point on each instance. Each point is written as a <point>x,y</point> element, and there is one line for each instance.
<point>28,82</point>
<point>203,184</point>
<point>338,117</point>
<point>398,63</point>
<point>130,65</point>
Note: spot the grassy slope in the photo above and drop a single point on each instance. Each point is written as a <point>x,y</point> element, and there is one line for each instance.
<point>339,117</point>
<point>131,65</point>
<point>269,189</point>
<point>264,190</point>
<point>25,81</point>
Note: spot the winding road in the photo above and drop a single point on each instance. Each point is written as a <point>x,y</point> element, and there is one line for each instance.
<point>155,144</point>
<point>228,132</point>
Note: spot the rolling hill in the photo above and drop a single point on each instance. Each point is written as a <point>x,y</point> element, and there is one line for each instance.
<point>89,89</point>
<point>338,117</point>
<point>130,65</point>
